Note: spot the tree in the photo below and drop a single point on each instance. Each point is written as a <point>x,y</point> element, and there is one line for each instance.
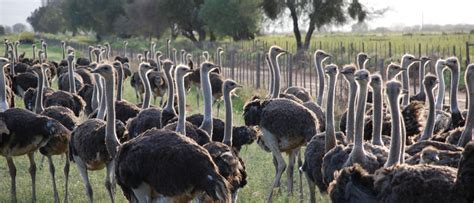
<point>19,27</point>
<point>316,13</point>
<point>141,18</point>
<point>47,19</point>
<point>236,18</point>
<point>2,30</point>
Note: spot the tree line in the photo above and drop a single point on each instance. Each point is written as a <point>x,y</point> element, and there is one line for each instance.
<point>197,20</point>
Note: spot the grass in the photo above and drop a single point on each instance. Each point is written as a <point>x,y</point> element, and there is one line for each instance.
<point>258,162</point>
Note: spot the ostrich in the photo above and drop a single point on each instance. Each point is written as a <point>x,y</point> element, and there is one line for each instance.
<point>6,98</point>
<point>456,119</point>
<point>143,183</point>
<point>376,85</point>
<point>148,116</point>
<point>371,157</point>
<point>59,144</point>
<point>323,142</point>
<point>319,57</point>
<point>467,133</point>
<point>125,109</point>
<point>407,61</point>
<point>348,118</point>
<point>168,112</point>
<point>422,66</point>
<point>286,126</point>
<point>361,60</point>
<point>63,80</point>
<point>229,163</point>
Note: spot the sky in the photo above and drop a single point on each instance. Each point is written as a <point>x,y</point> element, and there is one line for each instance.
<point>408,12</point>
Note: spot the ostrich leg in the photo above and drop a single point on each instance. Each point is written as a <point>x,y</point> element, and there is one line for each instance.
<point>81,166</point>
<point>66,177</point>
<point>53,178</point>
<point>300,173</point>
<point>12,170</point>
<point>272,143</point>
<point>109,180</point>
<point>32,171</point>
<point>290,170</point>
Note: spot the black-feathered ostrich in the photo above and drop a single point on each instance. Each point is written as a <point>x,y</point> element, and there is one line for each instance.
<point>71,75</point>
<point>142,165</point>
<point>286,126</point>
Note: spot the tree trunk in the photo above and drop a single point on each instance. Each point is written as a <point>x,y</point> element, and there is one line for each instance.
<point>294,16</point>
<point>212,36</point>
<point>309,33</point>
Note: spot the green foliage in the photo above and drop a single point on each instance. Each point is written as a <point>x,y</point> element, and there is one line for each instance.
<point>2,30</point>
<point>19,27</point>
<point>48,19</point>
<point>236,18</point>
<point>27,38</point>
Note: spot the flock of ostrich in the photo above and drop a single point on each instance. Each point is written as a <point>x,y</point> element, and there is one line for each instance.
<point>393,145</point>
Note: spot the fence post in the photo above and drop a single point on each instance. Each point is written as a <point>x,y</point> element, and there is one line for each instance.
<point>289,69</point>
<point>468,58</point>
<point>258,69</point>
<point>232,65</point>
<point>390,50</point>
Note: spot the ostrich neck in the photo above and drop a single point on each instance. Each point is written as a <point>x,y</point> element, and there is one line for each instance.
<point>102,105</point>
<point>3,99</point>
<point>351,110</point>
<point>181,128</point>
<point>39,94</point>
<point>421,75</point>
<point>403,139</point>
<point>97,58</point>
<point>276,76</point>
<point>34,53</point>
<point>272,79</point>
<point>429,126</point>
<point>72,83</point>
<point>12,69</point>
<point>455,77</point>
<point>16,52</point>
<point>45,52</point>
<point>120,84</point>
<point>377,116</point>
<point>90,56</point>
<point>146,83</point>
<point>441,87</point>
<point>170,102</point>
<point>63,47</point>
<point>95,93</point>
<point>228,118</point>
<point>405,85</point>
<point>395,144</point>
<point>111,140</point>
<point>358,153</point>
<point>330,138</point>
<point>319,70</point>
<point>125,50</point>
<point>207,123</point>
<point>466,135</point>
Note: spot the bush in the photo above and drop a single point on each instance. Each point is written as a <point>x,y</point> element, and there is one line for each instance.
<point>27,38</point>
<point>471,32</point>
<point>2,30</point>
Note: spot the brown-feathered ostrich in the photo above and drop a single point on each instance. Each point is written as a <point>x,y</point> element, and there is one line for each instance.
<point>142,165</point>
<point>149,117</point>
<point>181,126</point>
<point>224,155</point>
<point>348,73</point>
<point>57,145</point>
<point>407,61</point>
<point>319,57</point>
<point>323,142</point>
<point>371,157</point>
<point>456,119</point>
<point>468,129</point>
<point>168,112</point>
<point>376,84</point>
<point>286,126</point>
<point>429,84</point>
<point>422,66</point>
<point>7,97</point>
<point>71,75</point>
<point>125,109</point>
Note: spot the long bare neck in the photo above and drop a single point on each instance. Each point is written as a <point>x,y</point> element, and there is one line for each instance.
<point>228,118</point>
<point>16,52</point>
<point>377,116</point>
<point>170,102</point>
<point>351,110</point>
<point>358,153</point>
<point>276,77</point>
<point>45,52</point>
<point>441,87</point>
<point>111,140</point>
<point>395,144</point>
<point>421,75</point>
<point>272,79</point>
<point>466,135</point>
<point>146,84</point>
<point>405,85</point>
<point>319,70</point>
<point>3,91</point>
<point>72,83</point>
<point>34,52</point>
<point>39,94</point>
<point>103,101</point>
<point>12,65</point>
<point>430,121</point>
<point>181,128</point>
<point>207,123</point>
<point>330,138</point>
<point>455,77</point>
<point>90,56</point>
<point>403,139</point>
<point>119,84</point>
<point>95,93</point>
<point>63,49</point>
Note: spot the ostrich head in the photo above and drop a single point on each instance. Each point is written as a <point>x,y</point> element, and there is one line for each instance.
<point>331,70</point>
<point>230,85</point>
<point>362,59</point>
<point>158,55</point>
<point>393,89</point>
<point>205,55</point>
<point>452,62</point>
<point>90,48</point>
<point>144,67</point>
<point>408,60</point>
<point>182,71</point>
<point>430,81</point>
<point>63,43</point>
<point>348,71</point>
<point>376,81</point>
<point>207,67</point>
<point>429,155</point>
<point>167,65</point>
<point>70,58</point>
<point>69,50</point>
<point>106,71</point>
<point>393,70</point>
<point>125,43</point>
<point>320,55</point>
<point>139,57</point>
<point>276,51</point>
<point>96,52</point>
<point>425,60</point>
<point>362,76</point>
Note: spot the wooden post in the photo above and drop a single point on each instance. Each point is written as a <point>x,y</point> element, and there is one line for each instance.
<point>289,69</point>
<point>232,65</point>
<point>390,49</point>
<point>468,58</point>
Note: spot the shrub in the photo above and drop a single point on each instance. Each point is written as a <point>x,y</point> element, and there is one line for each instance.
<point>27,38</point>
